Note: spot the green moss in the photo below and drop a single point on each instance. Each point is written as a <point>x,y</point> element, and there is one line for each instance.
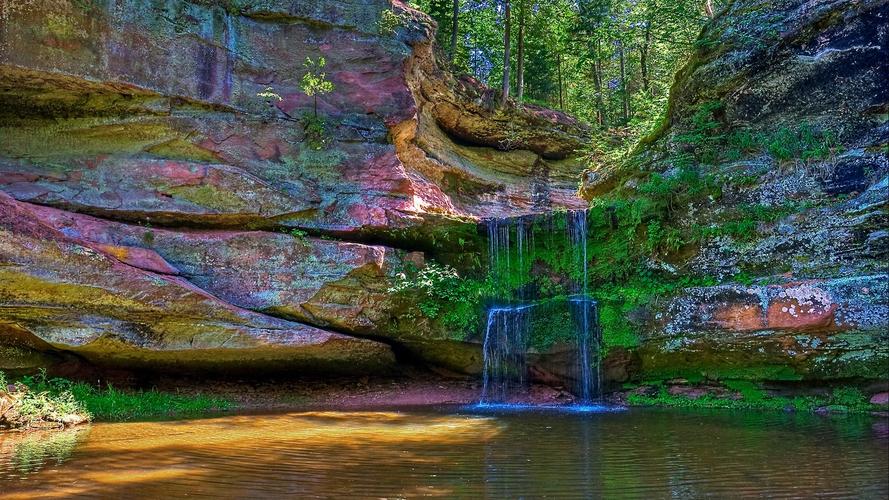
<point>82,137</point>
<point>709,366</point>
<point>209,196</point>
<point>750,396</point>
<point>551,323</point>
<point>180,149</point>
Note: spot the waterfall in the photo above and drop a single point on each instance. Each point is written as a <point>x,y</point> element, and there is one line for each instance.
<point>506,340</point>
<point>585,314</point>
<point>508,327</point>
<point>587,368</point>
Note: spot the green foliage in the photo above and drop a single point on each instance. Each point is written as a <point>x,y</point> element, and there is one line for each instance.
<point>314,81</point>
<point>588,58</point>
<point>38,399</point>
<point>444,296</point>
<point>711,144</point>
<point>315,130</point>
<point>741,222</point>
<point>111,404</point>
<point>390,21</point>
<point>50,399</point>
<point>269,94</point>
<point>751,396</point>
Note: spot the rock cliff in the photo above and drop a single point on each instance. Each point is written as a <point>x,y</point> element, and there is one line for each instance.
<point>779,121</point>
<point>157,210</point>
<point>165,203</point>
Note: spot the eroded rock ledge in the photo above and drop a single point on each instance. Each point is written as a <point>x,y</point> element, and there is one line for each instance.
<point>146,188</point>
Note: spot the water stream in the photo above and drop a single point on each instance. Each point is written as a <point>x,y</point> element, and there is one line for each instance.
<point>505,344</point>
<point>511,253</point>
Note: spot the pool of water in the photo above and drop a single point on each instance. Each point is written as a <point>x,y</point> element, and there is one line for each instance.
<point>458,452</point>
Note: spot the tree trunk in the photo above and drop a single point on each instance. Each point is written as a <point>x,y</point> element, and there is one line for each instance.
<point>455,13</point>
<point>506,29</point>
<point>643,59</point>
<point>623,82</point>
<point>559,65</point>
<point>520,65</point>
<point>597,79</point>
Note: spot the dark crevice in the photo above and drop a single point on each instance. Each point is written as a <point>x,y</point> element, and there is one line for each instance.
<point>409,239</point>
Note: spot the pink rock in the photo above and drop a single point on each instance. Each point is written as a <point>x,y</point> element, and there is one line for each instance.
<point>880,398</point>
<point>142,258</point>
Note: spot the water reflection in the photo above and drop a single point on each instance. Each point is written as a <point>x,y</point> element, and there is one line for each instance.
<point>24,453</point>
<point>459,453</point>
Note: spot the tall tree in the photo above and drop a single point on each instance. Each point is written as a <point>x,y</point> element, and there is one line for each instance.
<point>504,97</point>
<point>455,15</point>
<point>597,80</point>
<point>624,88</point>
<point>520,64</point>
<point>643,57</point>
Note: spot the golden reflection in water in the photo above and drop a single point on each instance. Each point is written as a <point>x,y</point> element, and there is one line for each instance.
<point>635,454</point>
<point>140,458</point>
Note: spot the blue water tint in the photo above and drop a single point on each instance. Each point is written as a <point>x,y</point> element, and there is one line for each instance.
<point>510,407</point>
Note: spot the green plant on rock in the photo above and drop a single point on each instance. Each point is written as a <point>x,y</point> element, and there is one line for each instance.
<point>38,400</point>
<point>269,95</point>
<point>444,295</point>
<point>44,399</point>
<point>314,83</point>
<point>390,21</point>
<point>749,395</point>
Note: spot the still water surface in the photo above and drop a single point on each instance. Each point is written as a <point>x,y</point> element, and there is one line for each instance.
<point>457,453</point>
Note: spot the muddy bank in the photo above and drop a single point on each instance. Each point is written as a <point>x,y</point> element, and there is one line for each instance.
<point>349,393</point>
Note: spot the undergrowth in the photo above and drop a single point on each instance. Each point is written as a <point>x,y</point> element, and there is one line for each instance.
<point>443,295</point>
<point>46,398</point>
<point>748,395</point>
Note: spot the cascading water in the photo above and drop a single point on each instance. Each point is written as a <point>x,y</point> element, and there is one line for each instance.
<point>506,341</point>
<point>587,369</point>
<point>508,326</point>
<point>584,312</point>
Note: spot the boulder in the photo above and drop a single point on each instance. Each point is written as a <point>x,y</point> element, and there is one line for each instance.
<point>59,294</point>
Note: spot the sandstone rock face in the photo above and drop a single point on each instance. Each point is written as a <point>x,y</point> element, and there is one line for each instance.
<point>815,329</point>
<point>149,189</point>
<point>59,293</point>
<point>792,76</point>
<point>154,112</point>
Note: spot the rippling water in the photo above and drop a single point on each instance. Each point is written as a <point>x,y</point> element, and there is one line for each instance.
<point>468,453</point>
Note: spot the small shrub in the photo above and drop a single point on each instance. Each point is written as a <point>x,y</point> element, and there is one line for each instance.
<point>390,21</point>
<point>38,401</point>
<point>444,295</point>
<point>314,82</point>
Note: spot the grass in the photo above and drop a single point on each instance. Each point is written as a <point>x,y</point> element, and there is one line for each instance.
<point>749,396</point>
<point>40,399</point>
<point>110,404</point>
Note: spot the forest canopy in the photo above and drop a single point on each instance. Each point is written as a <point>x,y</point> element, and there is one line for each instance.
<point>608,62</point>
